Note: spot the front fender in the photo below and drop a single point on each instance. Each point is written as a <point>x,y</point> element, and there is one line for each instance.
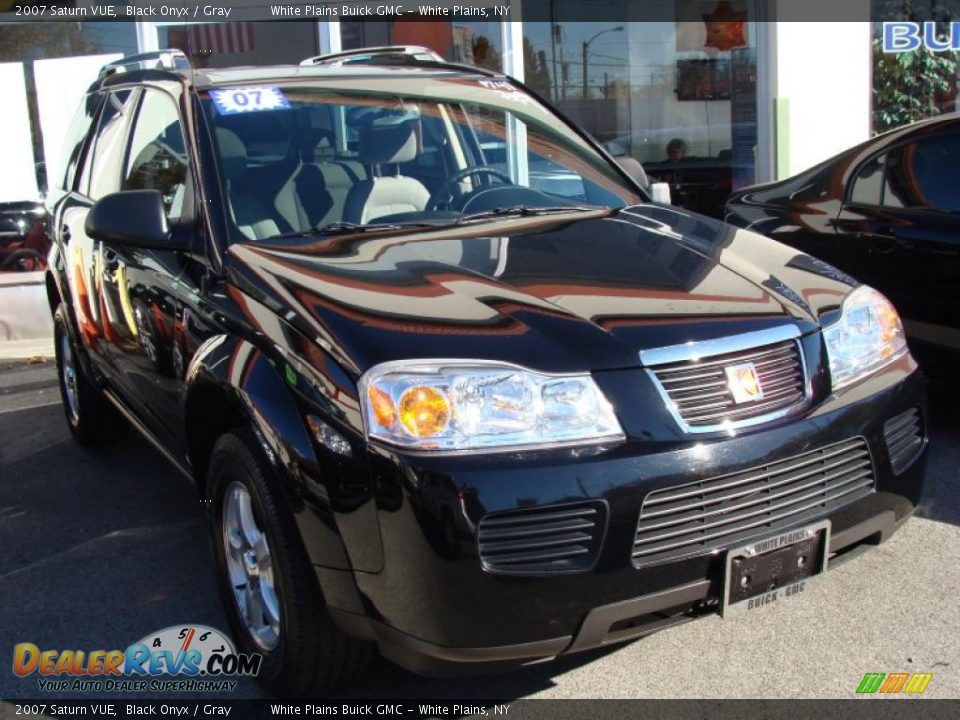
<point>329,494</point>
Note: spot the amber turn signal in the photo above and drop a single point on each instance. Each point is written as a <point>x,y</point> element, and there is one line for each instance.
<point>384,413</point>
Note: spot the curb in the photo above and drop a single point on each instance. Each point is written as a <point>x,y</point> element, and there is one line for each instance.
<point>26,349</point>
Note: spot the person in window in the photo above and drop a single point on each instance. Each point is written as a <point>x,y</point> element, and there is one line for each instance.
<point>676,150</point>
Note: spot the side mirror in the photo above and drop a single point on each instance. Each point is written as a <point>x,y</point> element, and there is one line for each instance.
<point>135,218</point>
<point>660,193</point>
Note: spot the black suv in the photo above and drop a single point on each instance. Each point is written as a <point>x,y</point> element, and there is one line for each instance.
<point>454,388</point>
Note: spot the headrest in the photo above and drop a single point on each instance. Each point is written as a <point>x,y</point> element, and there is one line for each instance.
<point>393,143</point>
<point>318,146</point>
<point>233,153</point>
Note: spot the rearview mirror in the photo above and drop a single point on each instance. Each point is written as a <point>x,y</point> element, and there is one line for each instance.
<point>135,218</point>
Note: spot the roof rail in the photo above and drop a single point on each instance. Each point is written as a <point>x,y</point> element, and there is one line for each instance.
<point>389,54</point>
<point>169,59</point>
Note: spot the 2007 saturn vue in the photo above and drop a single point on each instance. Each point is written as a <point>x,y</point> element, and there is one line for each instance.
<point>471,410</point>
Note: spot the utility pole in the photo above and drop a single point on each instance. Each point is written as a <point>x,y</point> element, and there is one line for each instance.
<point>586,50</point>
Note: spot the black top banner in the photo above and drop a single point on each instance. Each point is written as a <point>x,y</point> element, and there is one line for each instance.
<point>441,709</point>
<point>449,10</point>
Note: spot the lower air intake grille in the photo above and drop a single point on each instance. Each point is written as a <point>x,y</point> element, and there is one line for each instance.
<point>904,436</point>
<point>553,539</point>
<point>725,511</point>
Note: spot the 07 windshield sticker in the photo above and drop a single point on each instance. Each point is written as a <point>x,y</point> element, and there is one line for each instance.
<point>254,98</point>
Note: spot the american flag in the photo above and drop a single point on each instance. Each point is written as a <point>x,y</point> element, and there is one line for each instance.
<point>220,38</point>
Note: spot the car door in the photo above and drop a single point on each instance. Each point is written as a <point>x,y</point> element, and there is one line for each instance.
<point>153,286</point>
<point>910,234</point>
<point>99,176</point>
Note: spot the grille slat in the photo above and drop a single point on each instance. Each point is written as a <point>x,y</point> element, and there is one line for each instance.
<point>858,469</point>
<point>773,503</point>
<point>734,532</point>
<point>572,538</point>
<point>544,540</point>
<point>539,517</point>
<point>693,412</point>
<point>698,392</point>
<point>701,517</point>
<point>741,412</point>
<point>546,556</point>
<point>904,435</point>
<point>844,451</point>
<point>495,533</point>
<point>722,360</point>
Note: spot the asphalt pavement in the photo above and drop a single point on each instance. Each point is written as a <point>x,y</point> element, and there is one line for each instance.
<point>99,548</point>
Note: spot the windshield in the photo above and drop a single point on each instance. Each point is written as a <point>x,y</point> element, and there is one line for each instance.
<point>301,159</point>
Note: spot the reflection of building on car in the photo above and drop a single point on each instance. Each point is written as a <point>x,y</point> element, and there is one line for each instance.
<point>700,171</point>
<point>888,213</point>
<point>453,387</point>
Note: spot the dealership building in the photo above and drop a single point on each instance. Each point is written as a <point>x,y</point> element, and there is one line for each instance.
<point>749,97</point>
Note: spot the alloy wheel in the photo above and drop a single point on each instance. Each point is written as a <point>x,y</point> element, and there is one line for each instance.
<point>250,567</point>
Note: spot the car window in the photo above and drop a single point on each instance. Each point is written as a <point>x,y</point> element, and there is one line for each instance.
<point>297,158</point>
<point>925,174</point>
<point>868,185</point>
<point>76,136</point>
<point>157,158</point>
<point>544,172</point>
<point>103,172</point>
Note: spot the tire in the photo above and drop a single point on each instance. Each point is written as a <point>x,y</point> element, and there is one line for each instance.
<point>90,416</point>
<point>304,652</point>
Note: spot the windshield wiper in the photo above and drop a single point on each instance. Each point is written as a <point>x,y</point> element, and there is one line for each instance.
<point>337,228</point>
<point>523,211</point>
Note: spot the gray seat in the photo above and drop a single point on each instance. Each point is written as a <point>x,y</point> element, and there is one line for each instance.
<point>383,195</point>
<point>316,192</point>
<point>251,216</point>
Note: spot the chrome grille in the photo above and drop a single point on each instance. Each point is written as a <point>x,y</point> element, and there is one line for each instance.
<point>553,539</point>
<point>699,395</point>
<point>724,511</point>
<point>904,437</point>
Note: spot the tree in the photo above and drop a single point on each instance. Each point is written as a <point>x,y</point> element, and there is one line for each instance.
<point>484,54</point>
<point>910,86</point>
<point>536,70</point>
<point>21,42</point>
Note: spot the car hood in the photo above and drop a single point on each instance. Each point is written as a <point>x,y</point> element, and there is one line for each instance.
<point>585,291</point>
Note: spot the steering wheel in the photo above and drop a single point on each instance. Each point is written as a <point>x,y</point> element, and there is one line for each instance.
<point>442,197</point>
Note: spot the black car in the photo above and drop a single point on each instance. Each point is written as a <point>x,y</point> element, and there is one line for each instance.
<point>888,213</point>
<point>467,416</point>
<point>23,243</point>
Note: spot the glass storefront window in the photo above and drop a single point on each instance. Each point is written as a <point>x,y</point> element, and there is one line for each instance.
<point>678,96</point>
<point>916,85</point>
<point>44,71</point>
<point>218,45</point>
<point>466,42</point>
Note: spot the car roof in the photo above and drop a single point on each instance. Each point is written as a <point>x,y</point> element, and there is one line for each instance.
<point>229,76</point>
<point>205,78</point>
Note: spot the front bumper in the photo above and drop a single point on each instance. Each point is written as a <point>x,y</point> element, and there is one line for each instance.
<point>435,609</point>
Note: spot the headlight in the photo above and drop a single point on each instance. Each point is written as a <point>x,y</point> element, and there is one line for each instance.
<point>867,336</point>
<point>463,405</point>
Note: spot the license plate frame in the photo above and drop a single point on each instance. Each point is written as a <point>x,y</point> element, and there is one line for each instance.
<point>762,561</point>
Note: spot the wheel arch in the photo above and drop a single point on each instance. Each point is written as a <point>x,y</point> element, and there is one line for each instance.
<point>232,384</point>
